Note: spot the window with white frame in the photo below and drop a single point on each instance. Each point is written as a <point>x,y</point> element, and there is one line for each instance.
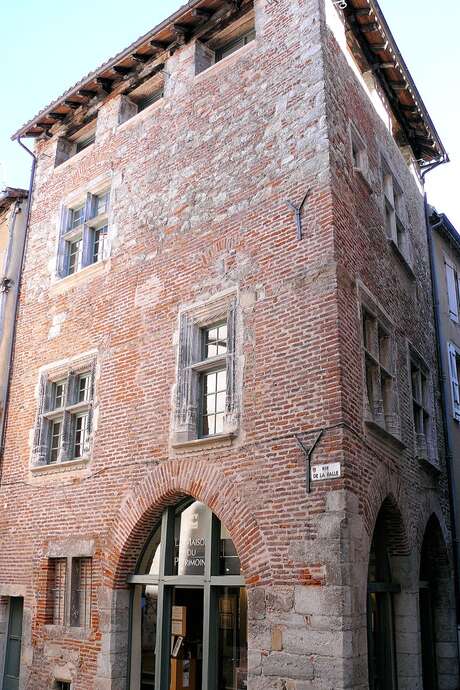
<point>396,214</point>
<point>64,422</point>
<point>379,370</point>
<point>83,233</point>
<point>205,401</point>
<point>454,371</point>
<point>69,591</point>
<point>453,290</point>
<point>422,407</point>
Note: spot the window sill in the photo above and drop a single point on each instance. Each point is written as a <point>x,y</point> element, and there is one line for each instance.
<point>68,282</point>
<point>56,468</point>
<point>209,442</point>
<point>58,632</point>
<point>405,264</point>
<point>222,64</point>
<point>384,434</point>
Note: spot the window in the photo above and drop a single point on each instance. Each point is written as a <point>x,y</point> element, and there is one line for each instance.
<point>70,602</point>
<point>453,290</point>
<point>147,100</point>
<point>189,617</point>
<point>235,44</point>
<point>395,215</point>
<point>422,407</point>
<point>82,144</point>
<point>380,383</point>
<point>205,401</point>
<point>62,685</point>
<point>358,152</point>
<point>63,428</point>
<point>84,229</point>
<point>454,370</point>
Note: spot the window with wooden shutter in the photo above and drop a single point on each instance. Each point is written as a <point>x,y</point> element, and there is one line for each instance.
<point>452,291</point>
<point>454,369</point>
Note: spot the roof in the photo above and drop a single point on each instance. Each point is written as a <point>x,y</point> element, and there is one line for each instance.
<point>368,31</point>
<point>441,223</point>
<point>371,32</point>
<point>10,194</point>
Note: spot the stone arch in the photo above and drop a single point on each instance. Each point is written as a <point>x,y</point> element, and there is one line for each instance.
<point>386,488</point>
<point>165,485</point>
<point>438,634</point>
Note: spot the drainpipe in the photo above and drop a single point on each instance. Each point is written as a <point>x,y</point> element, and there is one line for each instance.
<point>16,305</point>
<point>445,393</point>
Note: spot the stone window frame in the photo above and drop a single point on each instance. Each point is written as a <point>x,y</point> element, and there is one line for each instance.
<point>396,216</point>
<point>382,412</point>
<point>69,373</point>
<point>68,147</point>
<point>358,152</point>
<point>190,365</point>
<point>73,556</point>
<point>425,442</point>
<point>87,232</point>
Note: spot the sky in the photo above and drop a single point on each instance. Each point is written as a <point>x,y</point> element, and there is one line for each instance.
<point>46,48</point>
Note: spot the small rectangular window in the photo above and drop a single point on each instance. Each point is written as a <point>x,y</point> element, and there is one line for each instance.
<point>421,408</point>
<point>234,45</point>
<point>99,236</point>
<point>101,204</point>
<point>76,217</point>
<point>55,441</point>
<point>58,584</point>
<point>58,395</point>
<point>75,256</point>
<point>149,99</point>
<point>81,422</point>
<point>61,685</point>
<point>216,340</point>
<point>84,143</point>
<point>395,216</point>
<point>214,394</point>
<point>83,387</point>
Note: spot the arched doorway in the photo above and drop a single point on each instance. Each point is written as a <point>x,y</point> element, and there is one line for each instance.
<point>436,606</point>
<point>381,589</point>
<point>189,606</point>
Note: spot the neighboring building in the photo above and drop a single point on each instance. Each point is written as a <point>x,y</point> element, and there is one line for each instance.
<point>187,344</point>
<point>446,271</point>
<point>13,219</point>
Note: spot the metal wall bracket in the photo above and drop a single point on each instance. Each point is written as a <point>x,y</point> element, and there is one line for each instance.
<point>298,214</point>
<point>308,453</point>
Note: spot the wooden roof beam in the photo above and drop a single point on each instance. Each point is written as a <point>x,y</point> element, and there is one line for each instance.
<point>142,57</point>
<point>72,104</point>
<point>86,93</point>
<point>122,70</point>
<point>58,116</point>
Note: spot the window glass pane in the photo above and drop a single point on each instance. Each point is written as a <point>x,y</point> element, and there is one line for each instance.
<point>190,534</point>
<point>150,564</point>
<point>232,626</point>
<point>229,563</point>
<point>81,422</point>
<point>149,603</point>
<point>75,252</point>
<point>58,578</point>
<point>83,387</point>
<point>76,217</point>
<point>187,639</point>
<point>55,443</point>
<point>58,395</point>
<point>213,402</point>
<point>216,340</point>
<point>101,204</point>
<point>80,614</point>
<point>99,236</point>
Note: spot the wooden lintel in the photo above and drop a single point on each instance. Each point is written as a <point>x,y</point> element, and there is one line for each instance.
<point>363,12</point>
<point>377,47</point>
<point>87,93</point>
<point>368,28</point>
<point>58,116</point>
<point>141,57</point>
<point>181,33</point>
<point>398,85</point>
<point>121,69</point>
<point>158,45</point>
<point>72,104</point>
<point>202,12</point>
<point>105,82</point>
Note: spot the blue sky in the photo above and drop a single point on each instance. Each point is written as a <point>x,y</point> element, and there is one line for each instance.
<point>45,48</point>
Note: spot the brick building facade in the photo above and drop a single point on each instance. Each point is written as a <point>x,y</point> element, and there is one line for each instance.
<point>180,337</point>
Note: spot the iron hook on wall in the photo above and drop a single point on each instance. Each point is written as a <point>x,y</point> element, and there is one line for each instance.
<point>298,214</point>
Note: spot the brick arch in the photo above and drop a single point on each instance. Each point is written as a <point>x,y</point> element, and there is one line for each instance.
<point>386,492</point>
<point>428,508</point>
<point>141,509</point>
